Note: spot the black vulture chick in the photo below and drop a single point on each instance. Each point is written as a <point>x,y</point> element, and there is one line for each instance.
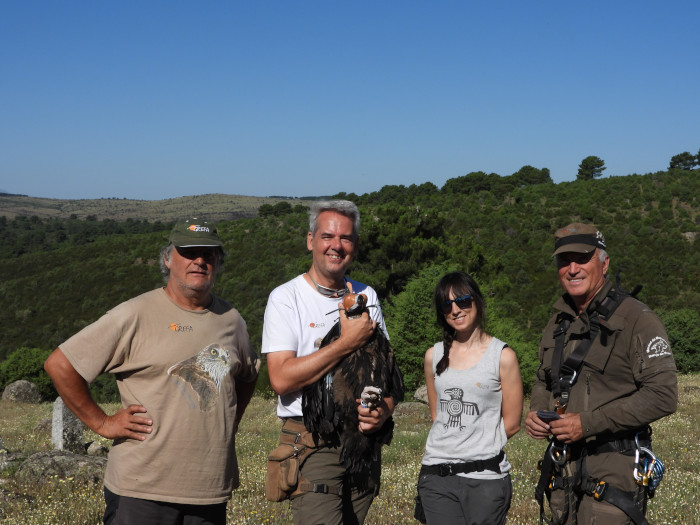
<point>329,406</point>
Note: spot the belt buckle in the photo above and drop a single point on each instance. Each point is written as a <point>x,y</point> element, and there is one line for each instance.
<point>445,469</point>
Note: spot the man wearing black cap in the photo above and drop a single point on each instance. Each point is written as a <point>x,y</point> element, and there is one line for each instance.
<point>606,372</point>
<point>185,372</point>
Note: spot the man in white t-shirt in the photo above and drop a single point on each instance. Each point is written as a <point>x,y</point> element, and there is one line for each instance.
<point>185,373</point>
<point>296,320</point>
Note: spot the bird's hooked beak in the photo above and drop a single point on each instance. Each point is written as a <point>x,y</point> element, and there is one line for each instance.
<point>354,303</point>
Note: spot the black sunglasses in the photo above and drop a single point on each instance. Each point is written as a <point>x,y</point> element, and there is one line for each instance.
<point>463,301</point>
<point>194,252</point>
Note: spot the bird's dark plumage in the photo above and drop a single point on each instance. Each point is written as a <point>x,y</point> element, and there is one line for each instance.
<point>329,406</point>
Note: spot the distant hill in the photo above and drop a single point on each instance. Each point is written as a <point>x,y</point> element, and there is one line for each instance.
<point>213,206</point>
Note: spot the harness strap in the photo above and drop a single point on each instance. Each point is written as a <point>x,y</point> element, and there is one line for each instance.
<point>624,445</point>
<point>573,363</point>
<point>564,374</point>
<point>546,466</point>
<point>323,488</point>
<point>549,480</point>
<point>466,467</point>
<point>601,491</point>
<point>559,333</point>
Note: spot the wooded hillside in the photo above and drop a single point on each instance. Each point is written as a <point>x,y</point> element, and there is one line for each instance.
<point>61,274</point>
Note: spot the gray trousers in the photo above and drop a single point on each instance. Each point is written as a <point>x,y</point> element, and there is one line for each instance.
<point>456,500</point>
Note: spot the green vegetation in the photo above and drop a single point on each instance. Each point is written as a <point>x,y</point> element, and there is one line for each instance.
<point>31,234</point>
<point>590,168</point>
<point>28,364</point>
<point>497,228</point>
<point>685,161</point>
<point>67,502</point>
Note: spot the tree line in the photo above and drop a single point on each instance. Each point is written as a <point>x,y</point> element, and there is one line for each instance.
<point>499,229</point>
<point>592,167</point>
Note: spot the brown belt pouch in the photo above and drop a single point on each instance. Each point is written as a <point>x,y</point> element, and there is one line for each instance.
<point>285,460</point>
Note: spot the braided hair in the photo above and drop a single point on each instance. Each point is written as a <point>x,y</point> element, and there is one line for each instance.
<point>459,283</point>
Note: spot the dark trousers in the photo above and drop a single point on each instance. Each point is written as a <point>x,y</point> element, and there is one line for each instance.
<point>123,510</point>
<point>457,500</point>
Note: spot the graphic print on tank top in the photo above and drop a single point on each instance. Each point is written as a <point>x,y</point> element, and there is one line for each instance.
<point>455,407</point>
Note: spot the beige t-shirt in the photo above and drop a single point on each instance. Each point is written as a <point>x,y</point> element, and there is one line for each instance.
<point>182,366</point>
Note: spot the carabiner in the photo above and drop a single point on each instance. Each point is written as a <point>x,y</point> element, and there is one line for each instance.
<point>648,469</point>
<point>637,476</point>
<point>558,454</point>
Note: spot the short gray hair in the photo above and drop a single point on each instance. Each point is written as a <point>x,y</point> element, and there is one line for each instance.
<point>166,253</point>
<point>347,208</point>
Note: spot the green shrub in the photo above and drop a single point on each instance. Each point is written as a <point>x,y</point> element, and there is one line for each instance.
<point>104,389</point>
<point>410,320</point>
<point>28,364</point>
<point>683,328</point>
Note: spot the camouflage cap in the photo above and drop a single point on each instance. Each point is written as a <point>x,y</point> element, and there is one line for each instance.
<point>194,232</point>
<point>578,237</point>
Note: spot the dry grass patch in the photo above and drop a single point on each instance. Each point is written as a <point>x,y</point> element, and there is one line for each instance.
<point>676,442</point>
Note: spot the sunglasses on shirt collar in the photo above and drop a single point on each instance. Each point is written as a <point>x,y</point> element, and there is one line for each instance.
<point>463,301</point>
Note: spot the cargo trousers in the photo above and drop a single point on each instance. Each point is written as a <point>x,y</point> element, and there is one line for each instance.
<point>336,501</point>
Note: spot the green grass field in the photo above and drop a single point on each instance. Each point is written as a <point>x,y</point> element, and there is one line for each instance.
<point>676,442</point>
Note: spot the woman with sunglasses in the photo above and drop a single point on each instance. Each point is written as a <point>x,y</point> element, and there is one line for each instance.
<point>475,394</point>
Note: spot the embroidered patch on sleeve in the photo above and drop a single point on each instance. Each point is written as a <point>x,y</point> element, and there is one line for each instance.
<point>658,347</point>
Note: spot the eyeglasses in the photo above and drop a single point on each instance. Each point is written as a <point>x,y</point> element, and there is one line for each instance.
<point>463,301</point>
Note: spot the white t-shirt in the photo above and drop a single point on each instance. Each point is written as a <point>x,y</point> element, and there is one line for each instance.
<point>297,318</point>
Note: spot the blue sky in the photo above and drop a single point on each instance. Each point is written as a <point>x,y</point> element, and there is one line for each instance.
<point>161,99</point>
